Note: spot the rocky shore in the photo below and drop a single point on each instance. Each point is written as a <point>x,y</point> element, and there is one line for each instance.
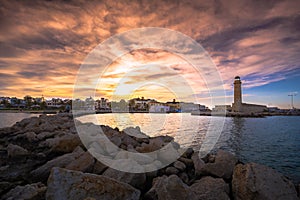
<point>44,158</point>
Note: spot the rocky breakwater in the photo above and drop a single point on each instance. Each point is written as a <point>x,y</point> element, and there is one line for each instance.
<point>44,158</point>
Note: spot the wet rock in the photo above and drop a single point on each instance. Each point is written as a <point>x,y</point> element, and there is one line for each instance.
<point>30,191</point>
<point>169,188</point>
<point>43,171</point>
<point>255,181</point>
<point>198,163</point>
<point>171,170</point>
<point>179,165</point>
<point>211,188</point>
<point>83,163</point>
<point>69,185</point>
<point>15,151</point>
<point>222,167</point>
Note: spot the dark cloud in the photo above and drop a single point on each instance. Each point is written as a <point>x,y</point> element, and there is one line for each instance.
<point>48,40</point>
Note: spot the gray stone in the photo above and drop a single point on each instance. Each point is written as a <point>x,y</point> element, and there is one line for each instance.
<point>198,163</point>
<point>211,188</point>
<point>184,177</point>
<point>136,180</point>
<point>30,191</point>
<point>43,171</point>
<point>179,165</point>
<point>255,181</point>
<point>83,163</point>
<point>99,168</point>
<point>188,162</point>
<point>171,170</point>
<point>69,185</point>
<point>66,143</point>
<point>222,167</point>
<point>15,150</point>
<point>170,188</point>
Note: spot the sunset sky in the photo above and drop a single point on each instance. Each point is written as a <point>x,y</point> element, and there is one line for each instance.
<point>44,43</point>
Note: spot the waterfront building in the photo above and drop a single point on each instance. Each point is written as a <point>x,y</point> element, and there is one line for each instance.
<point>174,106</point>
<point>157,107</point>
<point>239,106</point>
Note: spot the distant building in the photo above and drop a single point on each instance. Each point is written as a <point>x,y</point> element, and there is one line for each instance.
<point>239,106</point>
<point>189,107</point>
<point>222,108</point>
<point>157,107</point>
<point>174,106</point>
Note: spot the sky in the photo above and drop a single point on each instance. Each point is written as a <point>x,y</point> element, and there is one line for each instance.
<point>44,43</point>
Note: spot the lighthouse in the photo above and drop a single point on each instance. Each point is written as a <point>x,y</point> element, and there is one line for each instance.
<point>237,103</point>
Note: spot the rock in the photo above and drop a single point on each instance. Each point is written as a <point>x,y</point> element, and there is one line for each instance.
<point>30,191</point>
<point>169,188</point>
<point>179,165</point>
<point>188,162</point>
<point>188,153</point>
<point>43,171</point>
<point>5,186</point>
<point>184,177</point>
<point>116,140</point>
<point>135,132</point>
<point>44,135</point>
<point>84,163</point>
<point>171,170</point>
<point>167,154</point>
<point>140,158</point>
<point>99,168</point>
<point>255,181</point>
<point>69,185</point>
<point>136,180</point>
<point>127,140</point>
<point>211,188</point>
<point>15,151</point>
<point>198,163</point>
<point>47,126</point>
<point>222,167</point>
<point>65,144</point>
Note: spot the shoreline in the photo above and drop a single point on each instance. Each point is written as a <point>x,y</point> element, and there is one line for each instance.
<point>44,157</point>
<point>242,115</point>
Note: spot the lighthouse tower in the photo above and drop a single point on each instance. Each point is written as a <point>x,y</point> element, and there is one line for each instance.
<point>237,104</point>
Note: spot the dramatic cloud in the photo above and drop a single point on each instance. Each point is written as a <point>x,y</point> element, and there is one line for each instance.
<point>43,43</point>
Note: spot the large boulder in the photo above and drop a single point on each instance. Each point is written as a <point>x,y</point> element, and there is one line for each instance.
<point>210,188</point>
<point>255,181</point>
<point>222,167</point>
<point>30,191</point>
<point>83,163</point>
<point>169,188</point>
<point>68,184</point>
<point>43,171</point>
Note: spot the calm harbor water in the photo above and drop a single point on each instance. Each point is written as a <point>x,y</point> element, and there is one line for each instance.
<point>272,141</point>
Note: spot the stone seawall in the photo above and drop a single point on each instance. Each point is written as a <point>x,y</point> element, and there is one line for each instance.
<point>43,158</point>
